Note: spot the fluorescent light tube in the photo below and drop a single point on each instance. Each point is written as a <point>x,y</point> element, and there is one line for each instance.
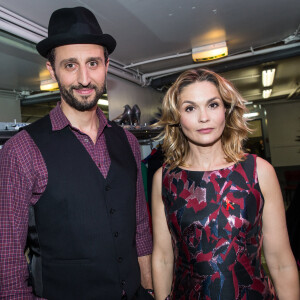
<point>268,77</point>
<point>267,93</point>
<point>251,115</point>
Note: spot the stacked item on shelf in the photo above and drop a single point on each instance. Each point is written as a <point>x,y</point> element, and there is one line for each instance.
<point>9,129</point>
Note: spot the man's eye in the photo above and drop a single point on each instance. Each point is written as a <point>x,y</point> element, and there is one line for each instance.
<point>93,64</point>
<point>69,66</point>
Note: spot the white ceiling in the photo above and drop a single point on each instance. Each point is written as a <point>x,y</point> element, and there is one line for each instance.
<point>145,30</point>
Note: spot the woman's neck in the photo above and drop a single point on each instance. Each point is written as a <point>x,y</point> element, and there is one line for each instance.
<point>206,158</point>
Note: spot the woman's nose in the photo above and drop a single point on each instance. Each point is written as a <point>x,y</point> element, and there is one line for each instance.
<point>203,116</point>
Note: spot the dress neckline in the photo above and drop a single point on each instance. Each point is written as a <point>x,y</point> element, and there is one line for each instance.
<point>208,171</point>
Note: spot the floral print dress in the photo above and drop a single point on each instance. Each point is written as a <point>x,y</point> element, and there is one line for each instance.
<point>215,220</point>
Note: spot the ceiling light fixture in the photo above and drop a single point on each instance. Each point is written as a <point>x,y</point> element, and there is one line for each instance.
<point>268,77</point>
<point>48,85</point>
<point>209,52</point>
<point>267,93</point>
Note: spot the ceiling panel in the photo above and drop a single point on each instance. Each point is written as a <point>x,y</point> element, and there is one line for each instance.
<point>153,30</point>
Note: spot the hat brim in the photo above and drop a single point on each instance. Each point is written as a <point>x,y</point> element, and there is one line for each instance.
<point>106,40</point>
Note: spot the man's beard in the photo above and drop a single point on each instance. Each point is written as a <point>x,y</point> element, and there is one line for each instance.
<point>84,104</point>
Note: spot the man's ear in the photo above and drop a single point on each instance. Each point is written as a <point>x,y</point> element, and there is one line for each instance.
<point>51,71</point>
<point>106,66</point>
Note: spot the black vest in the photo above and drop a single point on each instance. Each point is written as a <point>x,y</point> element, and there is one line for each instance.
<point>82,229</point>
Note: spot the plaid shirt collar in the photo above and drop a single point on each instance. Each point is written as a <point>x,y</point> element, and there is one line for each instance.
<point>60,121</point>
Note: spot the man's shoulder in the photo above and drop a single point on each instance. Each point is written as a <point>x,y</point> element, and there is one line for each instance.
<point>39,126</point>
<point>130,136</point>
<point>20,144</point>
<point>20,137</point>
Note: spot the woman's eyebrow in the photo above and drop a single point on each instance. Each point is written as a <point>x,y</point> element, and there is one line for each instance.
<point>207,101</point>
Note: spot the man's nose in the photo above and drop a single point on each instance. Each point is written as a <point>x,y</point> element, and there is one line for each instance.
<point>83,76</point>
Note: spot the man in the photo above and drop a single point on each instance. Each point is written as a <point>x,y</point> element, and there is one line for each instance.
<point>70,184</point>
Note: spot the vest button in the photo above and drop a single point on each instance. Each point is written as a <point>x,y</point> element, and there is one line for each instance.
<point>116,234</point>
<point>107,187</point>
<point>112,211</point>
<point>120,259</point>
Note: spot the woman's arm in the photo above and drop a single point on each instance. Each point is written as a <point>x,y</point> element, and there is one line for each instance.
<point>277,250</point>
<point>162,256</point>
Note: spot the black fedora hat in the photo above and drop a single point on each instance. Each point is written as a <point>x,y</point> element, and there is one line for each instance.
<point>76,25</point>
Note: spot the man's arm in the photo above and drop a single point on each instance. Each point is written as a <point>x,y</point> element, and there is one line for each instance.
<point>146,275</point>
<point>143,234</point>
<point>14,202</point>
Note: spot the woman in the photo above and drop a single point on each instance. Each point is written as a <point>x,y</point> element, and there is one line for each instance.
<point>213,205</point>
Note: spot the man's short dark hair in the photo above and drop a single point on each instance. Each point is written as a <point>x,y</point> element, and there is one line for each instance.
<point>51,58</point>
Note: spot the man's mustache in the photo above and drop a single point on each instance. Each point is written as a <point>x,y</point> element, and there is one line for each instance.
<point>80,86</point>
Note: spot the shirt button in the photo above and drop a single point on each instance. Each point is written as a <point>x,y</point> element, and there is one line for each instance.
<point>116,234</point>
<point>120,259</point>
<point>107,187</point>
<point>86,140</point>
<point>112,211</point>
<point>123,282</point>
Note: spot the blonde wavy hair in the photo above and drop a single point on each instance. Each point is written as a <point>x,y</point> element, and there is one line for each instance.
<point>175,145</point>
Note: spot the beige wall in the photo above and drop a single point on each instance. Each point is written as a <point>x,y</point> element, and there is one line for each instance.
<point>284,127</point>
<point>9,107</point>
<point>121,92</point>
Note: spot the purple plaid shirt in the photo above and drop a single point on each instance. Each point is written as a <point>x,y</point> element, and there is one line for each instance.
<point>23,179</point>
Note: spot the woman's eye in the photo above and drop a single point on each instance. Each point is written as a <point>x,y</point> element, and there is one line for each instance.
<point>189,108</point>
<point>213,105</point>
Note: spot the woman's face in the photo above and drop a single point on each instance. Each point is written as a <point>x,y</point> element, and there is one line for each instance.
<point>202,113</point>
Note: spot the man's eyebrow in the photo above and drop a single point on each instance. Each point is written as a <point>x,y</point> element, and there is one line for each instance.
<point>75,60</point>
<point>94,58</point>
<point>68,60</point>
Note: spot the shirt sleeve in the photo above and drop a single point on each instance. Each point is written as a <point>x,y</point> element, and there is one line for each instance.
<point>16,185</point>
<point>143,235</point>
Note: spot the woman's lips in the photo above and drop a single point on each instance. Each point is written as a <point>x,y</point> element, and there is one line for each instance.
<point>205,130</point>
